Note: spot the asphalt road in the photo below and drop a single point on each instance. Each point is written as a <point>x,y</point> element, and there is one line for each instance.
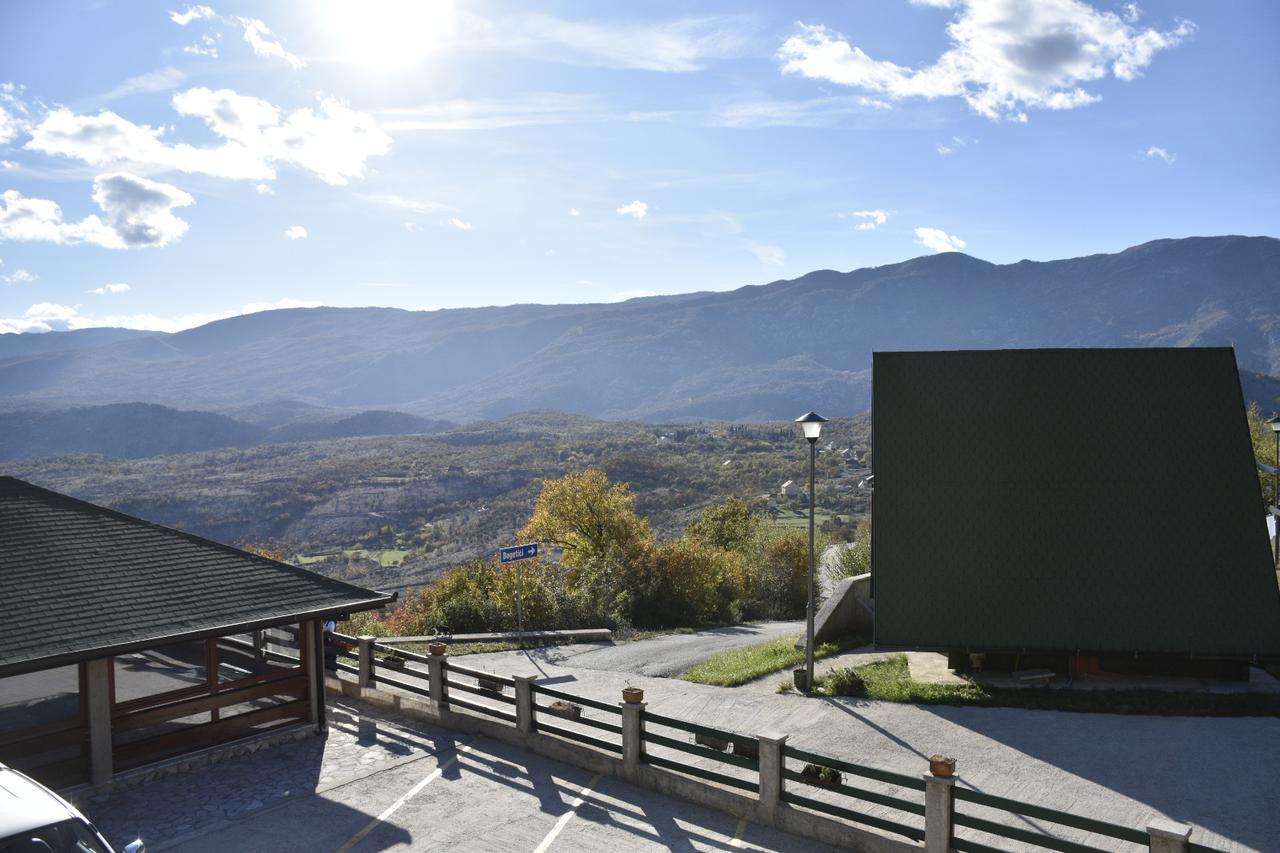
<point>483,795</point>
<point>663,657</point>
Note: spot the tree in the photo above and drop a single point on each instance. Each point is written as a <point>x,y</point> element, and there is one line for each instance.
<point>1264,450</point>
<point>853,558</point>
<point>730,525</point>
<point>586,517</point>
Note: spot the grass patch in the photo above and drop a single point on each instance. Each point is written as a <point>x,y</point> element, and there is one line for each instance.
<point>890,681</point>
<point>738,666</point>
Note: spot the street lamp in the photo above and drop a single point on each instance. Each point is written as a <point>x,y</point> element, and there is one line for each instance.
<point>1275,484</point>
<point>811,424</point>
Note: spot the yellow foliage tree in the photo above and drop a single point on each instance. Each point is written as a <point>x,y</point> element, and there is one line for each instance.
<point>586,517</point>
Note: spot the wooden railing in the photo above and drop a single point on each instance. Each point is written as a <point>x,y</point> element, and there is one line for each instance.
<point>756,764</point>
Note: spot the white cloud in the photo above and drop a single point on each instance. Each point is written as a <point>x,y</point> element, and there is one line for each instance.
<point>812,112</point>
<point>766,254</point>
<point>193,13</point>
<point>160,80</point>
<point>636,210</point>
<point>1162,153</point>
<point>8,126</point>
<point>20,277</point>
<point>573,211</point>
<point>871,219</point>
<point>681,45</point>
<point>944,150</point>
<point>538,108</point>
<point>51,317</point>
<point>264,42</point>
<point>264,189</point>
<point>110,289</point>
<point>401,203</point>
<point>8,164</point>
<point>333,142</point>
<point>1006,56</point>
<point>938,240</point>
<point>138,213</point>
<point>458,223</point>
<point>207,46</point>
<point>295,232</point>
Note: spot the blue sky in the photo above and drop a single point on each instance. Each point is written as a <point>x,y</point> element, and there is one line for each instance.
<point>166,164</point>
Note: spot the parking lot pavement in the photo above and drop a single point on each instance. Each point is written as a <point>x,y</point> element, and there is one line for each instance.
<point>412,786</point>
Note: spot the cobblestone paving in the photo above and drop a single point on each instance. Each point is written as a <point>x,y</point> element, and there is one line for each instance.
<point>166,810</point>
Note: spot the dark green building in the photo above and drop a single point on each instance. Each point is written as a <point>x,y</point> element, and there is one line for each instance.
<point>1095,504</point>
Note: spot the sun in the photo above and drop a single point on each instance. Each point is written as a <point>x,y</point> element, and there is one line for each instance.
<point>387,35</point>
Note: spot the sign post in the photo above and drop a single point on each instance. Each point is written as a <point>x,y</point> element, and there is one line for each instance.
<point>516,554</point>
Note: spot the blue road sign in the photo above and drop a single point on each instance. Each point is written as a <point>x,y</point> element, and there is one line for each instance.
<point>518,552</point>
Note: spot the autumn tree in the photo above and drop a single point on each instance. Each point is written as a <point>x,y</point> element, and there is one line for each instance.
<point>730,525</point>
<point>586,517</point>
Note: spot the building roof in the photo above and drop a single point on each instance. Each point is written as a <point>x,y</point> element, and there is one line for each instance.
<point>80,581</point>
<point>1100,500</point>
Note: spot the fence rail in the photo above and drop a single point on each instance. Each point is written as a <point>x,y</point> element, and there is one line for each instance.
<point>765,757</point>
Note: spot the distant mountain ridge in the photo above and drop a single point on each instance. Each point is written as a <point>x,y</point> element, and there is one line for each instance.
<point>757,353</point>
<point>136,430</point>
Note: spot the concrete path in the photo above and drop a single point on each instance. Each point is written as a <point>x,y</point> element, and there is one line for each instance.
<point>1215,773</point>
<point>665,656</point>
<point>382,781</point>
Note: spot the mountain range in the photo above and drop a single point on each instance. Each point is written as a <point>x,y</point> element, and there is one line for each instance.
<point>757,353</point>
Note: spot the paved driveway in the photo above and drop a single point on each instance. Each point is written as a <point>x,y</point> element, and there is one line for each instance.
<point>382,781</point>
<point>1218,774</point>
<point>666,656</point>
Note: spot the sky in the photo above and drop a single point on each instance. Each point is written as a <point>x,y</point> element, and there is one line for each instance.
<point>164,164</point>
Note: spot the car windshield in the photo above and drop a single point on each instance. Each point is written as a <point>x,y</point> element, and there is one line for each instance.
<point>67,836</point>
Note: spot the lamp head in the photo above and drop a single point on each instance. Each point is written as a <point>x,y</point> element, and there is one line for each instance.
<point>811,423</point>
<point>1275,423</point>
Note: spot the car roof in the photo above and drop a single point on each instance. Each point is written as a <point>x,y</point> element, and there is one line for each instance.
<point>26,804</point>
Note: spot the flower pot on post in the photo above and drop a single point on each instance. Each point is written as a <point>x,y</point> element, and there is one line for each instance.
<point>632,695</point>
<point>438,648</point>
<point>943,766</point>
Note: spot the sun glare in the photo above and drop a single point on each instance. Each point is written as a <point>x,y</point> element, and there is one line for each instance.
<point>387,35</point>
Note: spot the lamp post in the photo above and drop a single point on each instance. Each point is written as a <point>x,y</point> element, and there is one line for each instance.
<point>811,424</point>
<point>1275,484</point>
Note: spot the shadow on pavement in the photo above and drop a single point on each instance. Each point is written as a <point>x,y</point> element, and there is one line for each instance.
<point>1215,772</point>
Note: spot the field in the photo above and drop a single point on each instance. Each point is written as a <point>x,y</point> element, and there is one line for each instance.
<point>394,512</point>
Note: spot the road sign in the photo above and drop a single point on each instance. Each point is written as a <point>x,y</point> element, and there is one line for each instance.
<point>518,552</point>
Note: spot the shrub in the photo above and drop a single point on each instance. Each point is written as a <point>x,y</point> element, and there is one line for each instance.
<point>845,682</point>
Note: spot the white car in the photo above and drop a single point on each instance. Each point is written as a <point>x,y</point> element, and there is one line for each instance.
<point>34,819</point>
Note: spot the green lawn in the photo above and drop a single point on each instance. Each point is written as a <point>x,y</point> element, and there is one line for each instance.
<point>738,666</point>
<point>890,681</point>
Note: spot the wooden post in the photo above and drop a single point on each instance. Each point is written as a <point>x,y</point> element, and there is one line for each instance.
<point>632,736</point>
<point>525,720</point>
<point>311,652</point>
<point>939,806</point>
<point>97,684</point>
<point>365,679</point>
<point>1168,836</point>
<point>772,783</point>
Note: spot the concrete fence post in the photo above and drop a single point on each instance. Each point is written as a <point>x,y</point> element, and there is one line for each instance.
<point>632,735</point>
<point>366,661</point>
<point>939,806</point>
<point>1168,836</point>
<point>436,683</point>
<point>772,782</point>
<point>524,703</point>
